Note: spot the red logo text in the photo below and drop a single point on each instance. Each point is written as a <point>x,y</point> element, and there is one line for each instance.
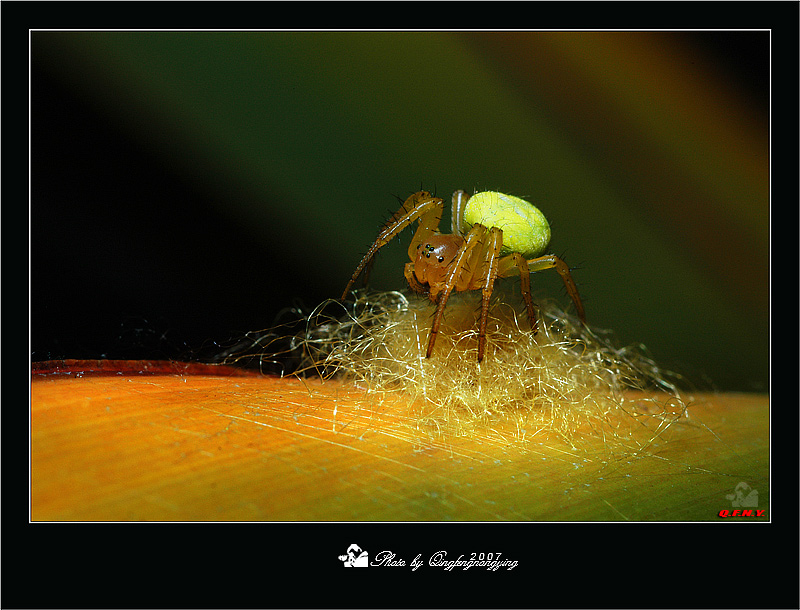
<point>739,512</point>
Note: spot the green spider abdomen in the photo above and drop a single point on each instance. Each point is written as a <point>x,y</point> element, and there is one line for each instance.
<point>525,229</point>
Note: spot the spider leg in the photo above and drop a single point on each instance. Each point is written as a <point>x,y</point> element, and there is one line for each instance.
<point>491,251</point>
<point>551,261</point>
<point>366,272</point>
<point>459,202</point>
<point>453,279</point>
<point>420,206</point>
<point>508,264</point>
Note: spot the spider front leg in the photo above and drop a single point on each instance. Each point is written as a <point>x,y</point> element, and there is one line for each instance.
<point>474,267</point>
<point>420,206</point>
<point>458,278</point>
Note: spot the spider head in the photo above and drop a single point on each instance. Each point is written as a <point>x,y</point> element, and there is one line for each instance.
<point>434,256</point>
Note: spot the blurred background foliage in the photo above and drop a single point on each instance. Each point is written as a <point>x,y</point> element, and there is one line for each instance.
<point>187,186</point>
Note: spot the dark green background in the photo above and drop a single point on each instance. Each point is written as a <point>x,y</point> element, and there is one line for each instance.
<point>187,186</point>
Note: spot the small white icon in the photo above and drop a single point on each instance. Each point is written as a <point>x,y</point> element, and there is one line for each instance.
<point>743,495</point>
<point>356,557</point>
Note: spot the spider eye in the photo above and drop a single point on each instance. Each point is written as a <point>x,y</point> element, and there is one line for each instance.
<point>441,259</point>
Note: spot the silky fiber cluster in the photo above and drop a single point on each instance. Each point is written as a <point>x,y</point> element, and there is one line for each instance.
<point>566,381</point>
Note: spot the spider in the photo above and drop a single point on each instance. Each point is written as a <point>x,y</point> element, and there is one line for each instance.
<point>493,235</point>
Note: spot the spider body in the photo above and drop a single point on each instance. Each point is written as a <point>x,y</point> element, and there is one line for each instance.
<point>525,229</point>
<point>493,235</point>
